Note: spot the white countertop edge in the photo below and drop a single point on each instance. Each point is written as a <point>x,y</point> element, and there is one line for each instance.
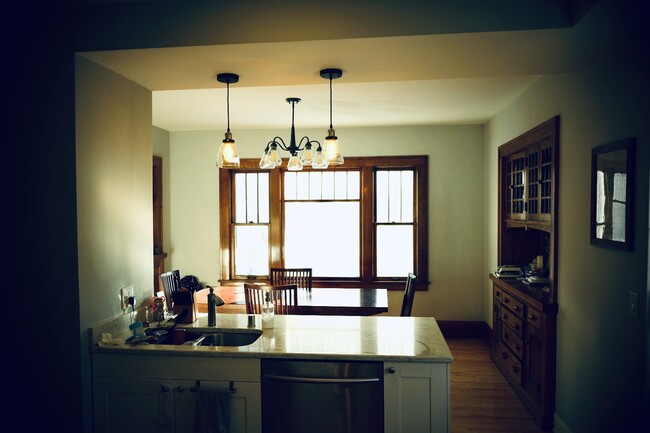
<point>400,337</point>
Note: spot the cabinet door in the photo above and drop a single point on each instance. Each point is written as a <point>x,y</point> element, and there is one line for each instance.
<point>245,404</point>
<point>539,182</point>
<point>515,187</point>
<point>133,405</point>
<point>532,364</point>
<point>416,397</point>
<point>496,320</point>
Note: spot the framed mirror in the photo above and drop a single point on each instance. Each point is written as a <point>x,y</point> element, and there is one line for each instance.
<point>612,194</point>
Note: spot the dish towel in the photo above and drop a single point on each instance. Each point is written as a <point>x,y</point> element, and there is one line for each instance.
<point>212,411</point>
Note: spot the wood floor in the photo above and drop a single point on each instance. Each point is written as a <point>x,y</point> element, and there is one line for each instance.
<point>475,381</point>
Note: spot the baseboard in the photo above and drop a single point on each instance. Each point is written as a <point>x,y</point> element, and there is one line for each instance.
<point>465,329</point>
<point>559,425</point>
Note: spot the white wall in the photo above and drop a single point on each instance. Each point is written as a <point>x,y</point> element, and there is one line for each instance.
<point>599,356</point>
<point>114,201</point>
<point>600,347</point>
<point>455,205</point>
<point>161,148</point>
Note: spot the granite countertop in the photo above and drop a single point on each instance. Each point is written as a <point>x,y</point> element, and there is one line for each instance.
<point>379,338</point>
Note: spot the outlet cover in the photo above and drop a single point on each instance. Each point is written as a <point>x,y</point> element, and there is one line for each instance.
<point>633,300</point>
<point>125,292</point>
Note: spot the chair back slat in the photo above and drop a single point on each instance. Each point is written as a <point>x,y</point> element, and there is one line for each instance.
<point>284,297</point>
<point>170,282</point>
<point>302,277</point>
<point>409,294</point>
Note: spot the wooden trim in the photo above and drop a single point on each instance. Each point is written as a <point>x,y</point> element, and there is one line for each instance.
<point>367,167</point>
<point>225,217</point>
<point>157,174</point>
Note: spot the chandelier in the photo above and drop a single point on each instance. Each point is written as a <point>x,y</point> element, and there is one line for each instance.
<point>228,156</point>
<point>303,153</point>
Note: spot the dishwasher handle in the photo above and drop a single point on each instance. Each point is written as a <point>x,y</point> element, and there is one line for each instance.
<point>320,379</point>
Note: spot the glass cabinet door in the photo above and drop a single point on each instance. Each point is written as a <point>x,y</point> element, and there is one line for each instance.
<point>515,183</point>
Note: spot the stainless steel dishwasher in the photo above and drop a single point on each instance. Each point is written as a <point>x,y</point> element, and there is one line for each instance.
<point>320,396</point>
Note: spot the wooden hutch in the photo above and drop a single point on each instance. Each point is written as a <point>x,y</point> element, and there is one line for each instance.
<point>524,315</point>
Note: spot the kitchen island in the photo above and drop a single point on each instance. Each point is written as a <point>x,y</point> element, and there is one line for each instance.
<point>154,387</point>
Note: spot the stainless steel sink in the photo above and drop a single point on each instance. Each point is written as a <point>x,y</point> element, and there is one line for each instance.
<point>221,337</point>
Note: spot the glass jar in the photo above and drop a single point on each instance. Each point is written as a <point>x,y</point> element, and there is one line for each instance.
<point>268,311</point>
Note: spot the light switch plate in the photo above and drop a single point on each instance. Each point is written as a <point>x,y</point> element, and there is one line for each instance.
<point>633,301</point>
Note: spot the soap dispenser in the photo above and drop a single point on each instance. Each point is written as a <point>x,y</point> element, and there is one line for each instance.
<point>212,308</point>
<point>268,311</point>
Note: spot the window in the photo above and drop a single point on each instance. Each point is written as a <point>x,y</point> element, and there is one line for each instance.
<point>360,224</point>
<point>251,225</point>
<point>394,226</point>
<point>322,222</point>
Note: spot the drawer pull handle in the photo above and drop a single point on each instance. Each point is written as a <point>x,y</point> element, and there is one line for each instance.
<point>515,308</point>
<point>504,355</point>
<point>515,369</point>
<point>532,317</point>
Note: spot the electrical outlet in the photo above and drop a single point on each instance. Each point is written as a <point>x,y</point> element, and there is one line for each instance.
<point>125,293</point>
<point>633,300</point>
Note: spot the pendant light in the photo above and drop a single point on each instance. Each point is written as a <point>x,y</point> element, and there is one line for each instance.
<point>333,152</point>
<point>228,156</point>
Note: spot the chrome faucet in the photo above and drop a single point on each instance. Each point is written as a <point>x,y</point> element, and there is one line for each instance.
<point>214,301</point>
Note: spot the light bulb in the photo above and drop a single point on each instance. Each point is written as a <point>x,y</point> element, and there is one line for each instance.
<point>319,159</point>
<point>274,156</point>
<point>294,163</point>
<point>333,151</point>
<point>264,161</point>
<point>228,156</point>
<point>307,155</point>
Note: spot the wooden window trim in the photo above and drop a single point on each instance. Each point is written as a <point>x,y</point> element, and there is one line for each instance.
<point>367,167</point>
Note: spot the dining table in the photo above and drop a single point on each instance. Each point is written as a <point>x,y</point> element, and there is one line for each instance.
<point>338,301</point>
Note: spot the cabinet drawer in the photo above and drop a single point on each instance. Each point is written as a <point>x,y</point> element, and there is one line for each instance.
<point>509,363</point>
<point>497,293</point>
<point>514,304</point>
<point>515,343</point>
<point>511,321</point>
<point>533,317</point>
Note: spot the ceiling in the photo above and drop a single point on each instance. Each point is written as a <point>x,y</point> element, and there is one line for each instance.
<point>456,78</point>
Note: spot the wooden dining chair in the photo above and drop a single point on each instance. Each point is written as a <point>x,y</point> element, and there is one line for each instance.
<point>409,294</point>
<point>284,296</point>
<point>298,276</point>
<point>170,282</point>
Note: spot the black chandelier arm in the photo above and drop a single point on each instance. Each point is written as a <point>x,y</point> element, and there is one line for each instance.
<point>278,142</point>
<point>306,140</point>
<point>319,148</point>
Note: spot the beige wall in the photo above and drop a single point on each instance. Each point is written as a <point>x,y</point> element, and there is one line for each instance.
<point>114,201</point>
<point>599,356</point>
<point>455,205</point>
<point>161,148</point>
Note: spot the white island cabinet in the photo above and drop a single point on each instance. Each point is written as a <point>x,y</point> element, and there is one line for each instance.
<point>163,396</point>
<point>416,397</point>
<point>152,388</point>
